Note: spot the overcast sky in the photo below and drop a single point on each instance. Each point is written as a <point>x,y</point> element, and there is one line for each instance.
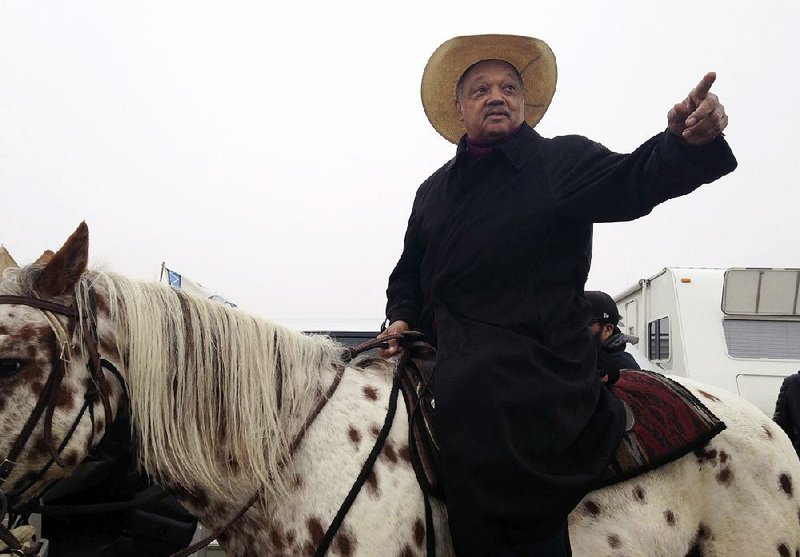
<point>271,150</point>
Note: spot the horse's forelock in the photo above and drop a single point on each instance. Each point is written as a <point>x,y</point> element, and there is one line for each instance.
<point>18,281</point>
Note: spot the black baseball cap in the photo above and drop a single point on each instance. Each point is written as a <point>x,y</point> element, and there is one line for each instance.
<point>604,310</point>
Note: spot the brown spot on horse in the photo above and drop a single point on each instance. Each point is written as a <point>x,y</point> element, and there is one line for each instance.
<point>39,447</point>
<point>372,483</point>
<point>638,493</point>
<point>614,541</point>
<point>36,387</point>
<point>65,399</point>
<point>370,393</point>
<point>703,534</point>
<point>406,551</point>
<point>405,453</point>
<point>767,431</point>
<point>277,538</point>
<point>354,435</point>
<point>785,481</point>
<point>725,476</point>
<point>31,334</point>
<point>316,531</point>
<point>592,508</point>
<point>706,455</point>
<point>783,550</point>
<point>389,453</point>
<point>71,458</point>
<point>670,517</point>
<point>108,349</point>
<point>344,543</point>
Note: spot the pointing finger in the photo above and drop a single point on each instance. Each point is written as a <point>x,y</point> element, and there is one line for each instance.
<point>701,90</point>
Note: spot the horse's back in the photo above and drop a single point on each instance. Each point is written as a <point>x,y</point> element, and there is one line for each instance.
<point>736,496</point>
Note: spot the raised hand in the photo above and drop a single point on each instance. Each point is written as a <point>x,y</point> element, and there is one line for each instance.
<point>700,117</point>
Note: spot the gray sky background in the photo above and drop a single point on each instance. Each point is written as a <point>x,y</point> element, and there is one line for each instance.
<point>271,151</point>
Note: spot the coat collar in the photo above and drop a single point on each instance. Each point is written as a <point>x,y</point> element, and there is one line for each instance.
<point>518,150</point>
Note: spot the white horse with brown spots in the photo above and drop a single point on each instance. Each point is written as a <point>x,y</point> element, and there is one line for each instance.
<point>217,399</point>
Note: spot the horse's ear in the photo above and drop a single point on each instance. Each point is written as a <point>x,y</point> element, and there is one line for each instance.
<point>65,267</point>
<point>45,258</point>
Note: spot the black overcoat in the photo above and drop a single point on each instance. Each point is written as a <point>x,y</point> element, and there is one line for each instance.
<point>495,258</point>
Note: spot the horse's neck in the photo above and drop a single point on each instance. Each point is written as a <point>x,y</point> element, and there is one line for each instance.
<point>225,422</point>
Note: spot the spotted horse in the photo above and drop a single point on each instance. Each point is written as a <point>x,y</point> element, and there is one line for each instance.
<point>218,400</point>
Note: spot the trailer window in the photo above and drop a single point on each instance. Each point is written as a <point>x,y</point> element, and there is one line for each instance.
<point>762,339</point>
<point>658,339</point>
<point>761,292</point>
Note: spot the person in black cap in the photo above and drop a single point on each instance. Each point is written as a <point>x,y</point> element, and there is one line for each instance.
<point>611,355</point>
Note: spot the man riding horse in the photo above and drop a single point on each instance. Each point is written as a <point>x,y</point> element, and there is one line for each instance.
<point>495,259</point>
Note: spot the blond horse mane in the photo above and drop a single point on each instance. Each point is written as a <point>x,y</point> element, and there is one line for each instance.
<point>215,394</point>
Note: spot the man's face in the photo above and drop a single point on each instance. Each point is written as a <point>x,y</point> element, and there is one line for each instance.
<point>492,103</point>
<point>601,332</point>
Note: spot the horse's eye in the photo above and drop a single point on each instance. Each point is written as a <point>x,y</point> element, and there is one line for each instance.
<point>9,368</point>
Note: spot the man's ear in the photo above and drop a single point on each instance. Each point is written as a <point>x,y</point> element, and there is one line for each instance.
<point>65,267</point>
<point>459,110</point>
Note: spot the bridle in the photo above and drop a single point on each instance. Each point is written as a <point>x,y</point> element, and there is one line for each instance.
<point>47,401</point>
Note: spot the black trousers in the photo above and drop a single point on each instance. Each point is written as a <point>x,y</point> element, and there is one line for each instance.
<point>557,546</point>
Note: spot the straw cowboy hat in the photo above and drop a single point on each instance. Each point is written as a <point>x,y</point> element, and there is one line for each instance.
<point>532,58</point>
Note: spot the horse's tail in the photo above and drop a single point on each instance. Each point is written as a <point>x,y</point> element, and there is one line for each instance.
<point>787,408</point>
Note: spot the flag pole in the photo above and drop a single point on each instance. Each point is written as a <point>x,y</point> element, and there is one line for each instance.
<point>161,276</point>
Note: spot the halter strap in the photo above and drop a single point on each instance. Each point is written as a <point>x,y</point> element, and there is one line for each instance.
<point>38,303</point>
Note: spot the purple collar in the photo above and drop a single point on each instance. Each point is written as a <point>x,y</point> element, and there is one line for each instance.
<point>477,149</point>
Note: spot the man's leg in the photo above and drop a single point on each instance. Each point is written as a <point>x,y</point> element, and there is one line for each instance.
<point>556,546</point>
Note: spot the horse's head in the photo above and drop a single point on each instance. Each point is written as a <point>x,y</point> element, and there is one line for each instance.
<point>54,407</point>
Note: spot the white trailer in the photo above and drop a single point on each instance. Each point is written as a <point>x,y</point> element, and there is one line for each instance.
<point>736,328</point>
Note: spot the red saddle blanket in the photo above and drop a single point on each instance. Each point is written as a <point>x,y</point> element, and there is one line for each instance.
<point>665,422</point>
